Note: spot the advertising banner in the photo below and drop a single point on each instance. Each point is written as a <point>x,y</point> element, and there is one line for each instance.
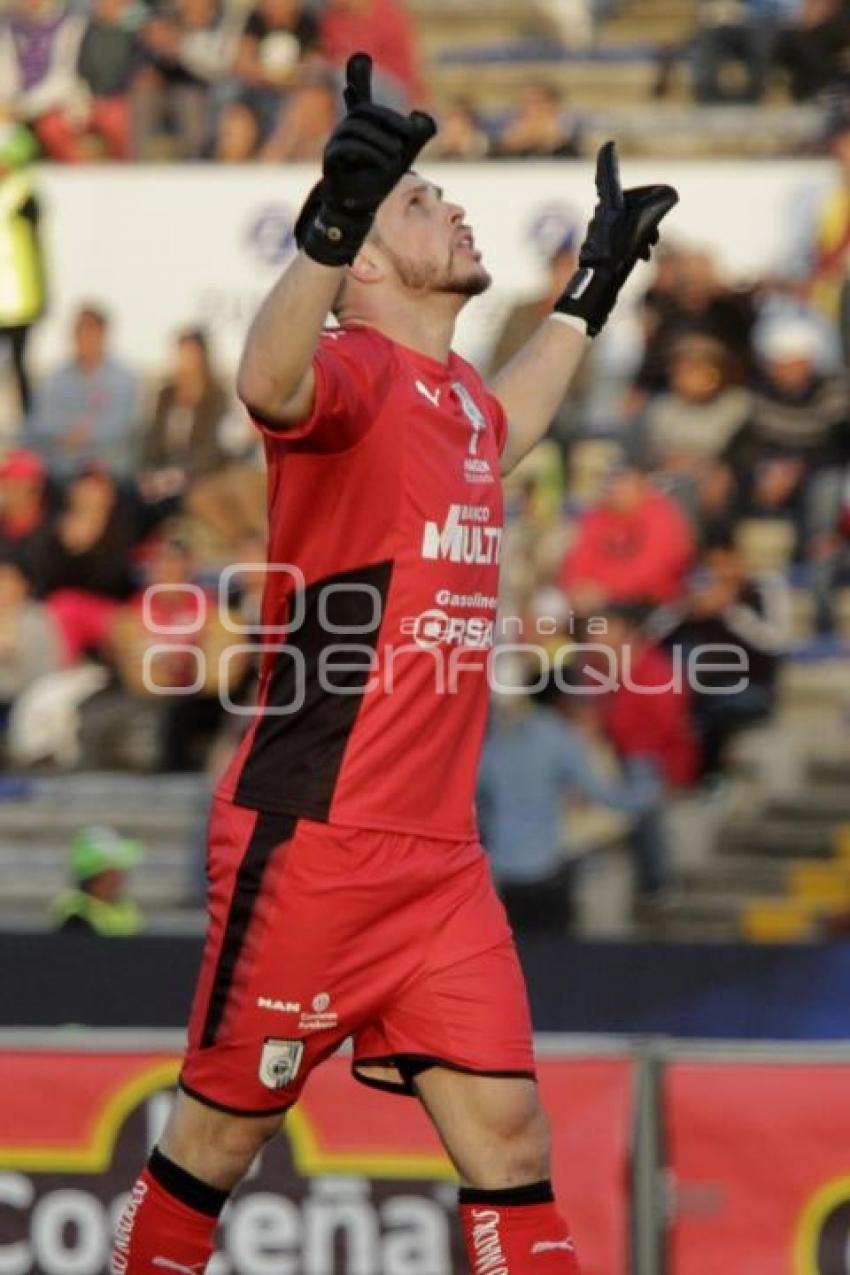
<point>167,247</point>
<point>358,1184</point>
<point>759,1167</point>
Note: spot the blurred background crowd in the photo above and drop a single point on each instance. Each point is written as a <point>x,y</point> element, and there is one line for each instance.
<point>232,80</point>
<point>699,498</point>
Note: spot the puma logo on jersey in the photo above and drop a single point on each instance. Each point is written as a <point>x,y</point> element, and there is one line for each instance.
<point>546,1246</point>
<point>433,396</point>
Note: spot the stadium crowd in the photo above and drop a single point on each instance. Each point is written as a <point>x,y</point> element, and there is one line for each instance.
<point>239,80</point>
<point>200,79</point>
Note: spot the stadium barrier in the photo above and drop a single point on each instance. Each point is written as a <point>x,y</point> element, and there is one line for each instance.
<point>702,991</point>
<point>682,1160</point>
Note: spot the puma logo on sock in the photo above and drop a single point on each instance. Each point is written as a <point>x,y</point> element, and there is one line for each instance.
<point>545,1246</point>
<point>166,1264</point>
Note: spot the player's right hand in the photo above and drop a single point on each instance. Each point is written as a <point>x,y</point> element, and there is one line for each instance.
<point>368,152</point>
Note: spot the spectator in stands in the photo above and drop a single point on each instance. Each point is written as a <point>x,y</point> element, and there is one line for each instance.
<point>461,134</point>
<point>94,537</point>
<point>86,411</point>
<point>188,718</point>
<point>634,546</point>
<point>106,63</point>
<point>237,135</point>
<point>731,50</point>
<point>830,561</point>
<point>182,442</point>
<point>693,299</point>
<point>683,433</point>
<point>98,902</point>
<point>829,259</point>
<point>386,29</point>
<point>541,126</point>
<point>29,641</point>
<point>24,517</point>
<point>280,80</point>
<point>788,459</point>
<point>644,708</point>
<point>523,319</point>
<point>534,759</point>
<point>39,47</point>
<point>814,48</point>
<point>187,48</point>
<point>22,296</point>
<point>745,621</point>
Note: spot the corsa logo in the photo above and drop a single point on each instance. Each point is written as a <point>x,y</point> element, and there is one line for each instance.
<point>822,1245</point>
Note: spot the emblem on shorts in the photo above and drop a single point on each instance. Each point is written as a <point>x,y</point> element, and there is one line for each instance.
<point>279,1062</point>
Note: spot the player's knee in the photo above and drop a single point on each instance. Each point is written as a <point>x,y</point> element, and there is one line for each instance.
<point>526,1157</point>
<point>212,1145</point>
<point>517,1151</point>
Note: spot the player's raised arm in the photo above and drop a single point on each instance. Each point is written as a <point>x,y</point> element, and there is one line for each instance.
<point>624,228</point>
<point>367,154</point>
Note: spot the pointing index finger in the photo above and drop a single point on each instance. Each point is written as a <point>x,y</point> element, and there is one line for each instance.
<point>608,177</point>
<point>358,80</point>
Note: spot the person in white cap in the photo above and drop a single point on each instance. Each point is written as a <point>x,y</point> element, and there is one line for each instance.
<point>788,458</point>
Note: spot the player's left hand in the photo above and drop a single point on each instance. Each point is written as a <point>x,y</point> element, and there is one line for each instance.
<point>622,230</point>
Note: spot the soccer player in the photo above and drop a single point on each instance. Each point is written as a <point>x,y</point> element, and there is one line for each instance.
<point>349,896</point>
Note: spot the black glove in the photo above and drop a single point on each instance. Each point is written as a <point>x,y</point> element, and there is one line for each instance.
<point>623,228</point>
<point>367,154</point>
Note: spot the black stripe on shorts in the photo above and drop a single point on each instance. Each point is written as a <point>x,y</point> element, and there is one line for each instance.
<point>269,831</point>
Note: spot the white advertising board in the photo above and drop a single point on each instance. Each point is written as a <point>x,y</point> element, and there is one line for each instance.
<point>163,247</point>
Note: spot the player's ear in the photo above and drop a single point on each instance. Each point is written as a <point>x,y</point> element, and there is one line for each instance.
<point>367,267</point>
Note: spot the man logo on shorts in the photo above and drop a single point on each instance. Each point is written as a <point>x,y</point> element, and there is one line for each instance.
<point>279,1062</point>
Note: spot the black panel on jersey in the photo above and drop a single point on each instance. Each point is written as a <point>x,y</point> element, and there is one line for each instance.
<point>269,832</point>
<point>295,757</point>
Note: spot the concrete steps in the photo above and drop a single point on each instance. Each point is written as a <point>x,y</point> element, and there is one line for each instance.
<point>163,813</point>
<point>659,21</point>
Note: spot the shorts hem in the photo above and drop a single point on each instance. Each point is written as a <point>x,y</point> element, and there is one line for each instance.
<point>232,1111</point>
<point>423,1062</point>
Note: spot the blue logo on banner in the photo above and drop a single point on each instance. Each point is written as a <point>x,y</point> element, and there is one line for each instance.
<point>270,236</point>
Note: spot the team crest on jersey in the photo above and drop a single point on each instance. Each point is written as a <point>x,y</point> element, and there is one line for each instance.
<point>476,469</point>
<point>280,1062</point>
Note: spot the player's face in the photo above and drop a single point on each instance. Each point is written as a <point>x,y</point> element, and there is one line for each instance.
<point>427,242</point>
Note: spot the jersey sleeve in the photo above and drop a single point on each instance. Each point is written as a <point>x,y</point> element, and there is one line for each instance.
<point>350,373</point>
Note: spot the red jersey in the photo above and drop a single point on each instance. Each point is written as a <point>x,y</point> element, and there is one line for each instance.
<point>638,555</point>
<point>385,527</point>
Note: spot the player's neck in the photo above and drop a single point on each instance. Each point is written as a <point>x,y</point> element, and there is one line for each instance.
<point>428,329</point>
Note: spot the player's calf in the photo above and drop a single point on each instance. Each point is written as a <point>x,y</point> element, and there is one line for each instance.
<point>171,1214</point>
<point>497,1135</point>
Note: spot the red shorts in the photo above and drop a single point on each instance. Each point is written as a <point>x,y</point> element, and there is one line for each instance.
<point>318,933</point>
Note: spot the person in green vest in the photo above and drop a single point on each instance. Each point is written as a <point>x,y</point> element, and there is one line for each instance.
<point>22,285</point>
<point>97,900</point>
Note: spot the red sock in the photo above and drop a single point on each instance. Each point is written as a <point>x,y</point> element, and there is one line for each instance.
<point>516,1232</point>
<point>168,1222</point>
